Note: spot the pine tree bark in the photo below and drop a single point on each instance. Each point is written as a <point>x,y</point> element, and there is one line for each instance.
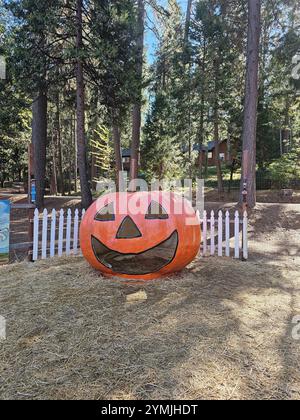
<point>118,152</point>
<point>137,107</point>
<point>53,182</point>
<point>70,157</point>
<point>92,127</point>
<point>75,156</point>
<point>251,100</point>
<point>59,148</point>
<point>86,195</point>
<point>39,141</point>
<point>201,138</point>
<point>202,105</point>
<point>216,128</point>
<point>187,62</point>
<point>217,150</point>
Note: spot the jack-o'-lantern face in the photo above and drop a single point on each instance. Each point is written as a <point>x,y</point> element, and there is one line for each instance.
<point>140,235</point>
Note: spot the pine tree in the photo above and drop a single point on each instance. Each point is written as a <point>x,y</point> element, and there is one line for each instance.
<point>251,98</point>
<point>103,151</point>
<point>137,107</point>
<point>162,135</point>
<point>33,58</point>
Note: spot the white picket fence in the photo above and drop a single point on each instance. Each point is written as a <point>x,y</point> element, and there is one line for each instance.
<point>57,234</point>
<point>218,239</point>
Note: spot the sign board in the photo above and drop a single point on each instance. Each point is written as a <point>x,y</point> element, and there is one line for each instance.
<point>4,231</point>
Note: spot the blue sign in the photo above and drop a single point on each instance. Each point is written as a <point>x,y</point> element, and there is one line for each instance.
<point>4,231</point>
<point>33,191</point>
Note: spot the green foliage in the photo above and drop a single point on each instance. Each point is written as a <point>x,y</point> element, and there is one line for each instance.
<point>185,84</point>
<point>286,168</point>
<point>12,158</point>
<point>37,41</point>
<point>277,90</point>
<point>111,62</point>
<point>14,115</point>
<point>40,38</point>
<point>161,155</point>
<point>162,135</point>
<point>102,151</point>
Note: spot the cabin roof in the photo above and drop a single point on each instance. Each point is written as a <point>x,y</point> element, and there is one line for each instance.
<point>126,153</point>
<point>209,147</point>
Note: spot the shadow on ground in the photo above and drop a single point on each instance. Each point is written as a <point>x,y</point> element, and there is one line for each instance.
<point>221,329</point>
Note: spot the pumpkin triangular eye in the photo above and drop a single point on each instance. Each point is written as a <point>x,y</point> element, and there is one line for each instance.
<point>106,214</point>
<point>156,211</point>
<point>128,229</point>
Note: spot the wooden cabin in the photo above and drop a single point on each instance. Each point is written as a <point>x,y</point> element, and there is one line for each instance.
<point>208,152</point>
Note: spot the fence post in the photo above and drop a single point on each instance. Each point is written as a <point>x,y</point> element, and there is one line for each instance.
<point>76,226</point>
<point>61,233</point>
<point>53,232</point>
<point>44,234</point>
<point>30,232</point>
<point>227,233</point>
<point>245,237</point>
<point>212,233</point>
<point>220,234</point>
<point>68,233</point>
<point>204,233</point>
<point>237,235</point>
<point>35,253</point>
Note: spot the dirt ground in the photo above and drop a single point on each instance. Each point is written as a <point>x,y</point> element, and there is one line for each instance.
<point>263,196</point>
<point>222,329</point>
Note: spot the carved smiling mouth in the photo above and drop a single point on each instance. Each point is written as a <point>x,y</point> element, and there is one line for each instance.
<point>142,263</point>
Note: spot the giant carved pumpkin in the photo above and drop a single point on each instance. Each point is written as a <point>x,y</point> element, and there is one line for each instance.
<point>140,235</point>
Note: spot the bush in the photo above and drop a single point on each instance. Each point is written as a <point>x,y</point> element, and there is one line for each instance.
<point>285,170</point>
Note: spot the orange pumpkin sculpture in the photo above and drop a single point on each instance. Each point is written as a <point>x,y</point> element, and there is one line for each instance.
<point>140,235</point>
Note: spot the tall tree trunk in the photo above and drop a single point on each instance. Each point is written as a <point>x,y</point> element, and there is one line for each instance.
<point>233,164</point>
<point>70,181</point>
<point>188,21</point>
<point>187,62</point>
<point>201,141</point>
<point>216,127</point>
<point>251,99</point>
<point>137,107</point>
<point>217,149</point>
<point>75,156</point>
<point>286,135</point>
<point>70,157</point>
<point>86,195</point>
<point>202,105</point>
<point>92,127</point>
<point>53,185</point>
<point>93,168</point>
<point>39,141</point>
<point>118,152</point>
<point>59,148</point>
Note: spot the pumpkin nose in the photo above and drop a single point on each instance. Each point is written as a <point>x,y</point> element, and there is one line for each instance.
<point>128,229</point>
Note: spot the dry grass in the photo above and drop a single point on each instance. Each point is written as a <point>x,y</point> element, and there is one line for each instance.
<point>219,330</point>
<point>222,329</point>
